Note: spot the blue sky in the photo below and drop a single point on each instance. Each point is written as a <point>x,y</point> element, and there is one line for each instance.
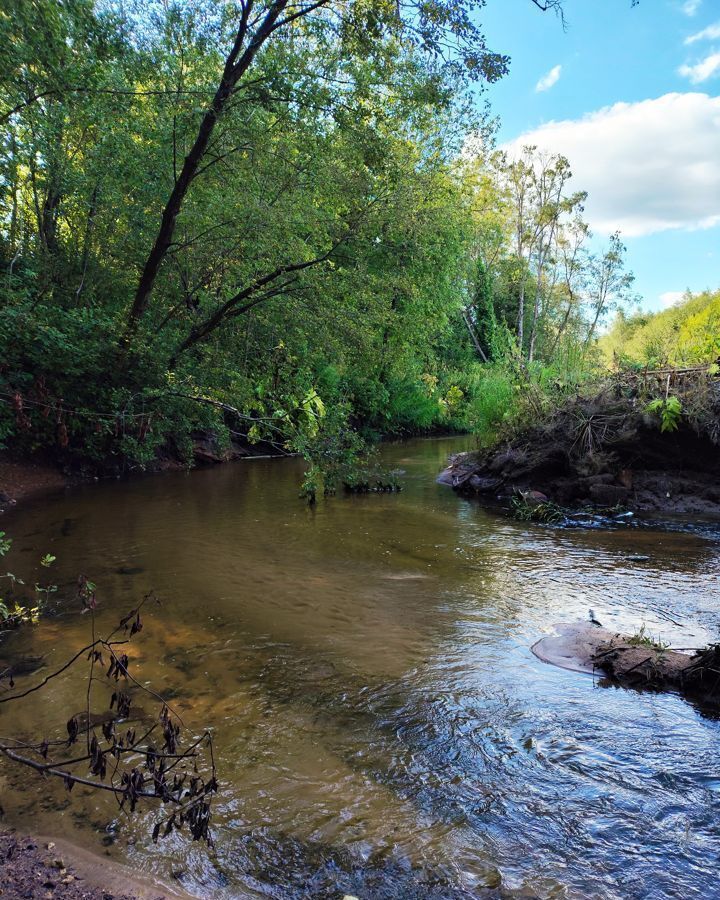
<point>632,97</point>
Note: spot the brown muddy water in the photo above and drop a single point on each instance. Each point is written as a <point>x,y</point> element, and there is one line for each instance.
<point>382,727</point>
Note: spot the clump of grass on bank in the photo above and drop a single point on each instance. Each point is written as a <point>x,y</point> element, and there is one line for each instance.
<point>546,512</point>
<point>642,639</point>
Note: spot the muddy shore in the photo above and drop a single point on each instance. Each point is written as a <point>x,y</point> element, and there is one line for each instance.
<point>496,480</point>
<point>33,868</point>
<point>21,479</point>
<point>640,470</point>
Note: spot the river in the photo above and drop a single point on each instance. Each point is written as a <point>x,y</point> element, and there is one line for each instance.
<point>382,727</point>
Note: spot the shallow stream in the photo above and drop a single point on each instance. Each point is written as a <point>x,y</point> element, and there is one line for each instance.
<point>382,727</point>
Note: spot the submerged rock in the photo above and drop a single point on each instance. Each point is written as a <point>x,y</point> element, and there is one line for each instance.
<point>24,665</point>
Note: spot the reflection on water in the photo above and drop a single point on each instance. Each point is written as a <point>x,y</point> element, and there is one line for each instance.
<point>382,727</point>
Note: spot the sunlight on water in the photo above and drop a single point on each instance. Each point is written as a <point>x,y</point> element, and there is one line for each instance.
<point>382,726</point>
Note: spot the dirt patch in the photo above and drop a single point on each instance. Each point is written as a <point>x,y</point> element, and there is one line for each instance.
<point>31,869</point>
<point>633,661</point>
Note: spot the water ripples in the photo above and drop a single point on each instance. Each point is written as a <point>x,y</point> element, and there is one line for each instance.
<point>382,727</point>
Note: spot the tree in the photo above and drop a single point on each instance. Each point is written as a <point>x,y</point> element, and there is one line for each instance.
<point>571,240</point>
<point>445,30</point>
<point>534,186</point>
<point>609,286</point>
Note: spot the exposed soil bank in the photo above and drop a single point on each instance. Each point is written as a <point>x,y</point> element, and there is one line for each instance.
<point>495,478</point>
<point>633,662</point>
<point>35,868</point>
<point>607,451</point>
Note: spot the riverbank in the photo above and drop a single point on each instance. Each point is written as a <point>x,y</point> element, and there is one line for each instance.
<point>32,868</point>
<point>622,446</point>
<point>21,479</point>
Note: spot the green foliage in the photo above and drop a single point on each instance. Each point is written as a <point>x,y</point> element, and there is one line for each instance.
<point>642,639</point>
<point>493,406</point>
<point>98,108</point>
<point>335,452</point>
<point>669,411</point>
<point>686,334</point>
<point>332,249</point>
<point>507,397</point>
<point>545,512</point>
<point>13,612</point>
<point>452,401</point>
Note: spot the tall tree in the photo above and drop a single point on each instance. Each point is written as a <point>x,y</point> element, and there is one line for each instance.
<point>444,29</point>
<point>609,286</point>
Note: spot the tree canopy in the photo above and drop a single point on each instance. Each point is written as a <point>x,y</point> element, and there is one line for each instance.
<point>213,212</point>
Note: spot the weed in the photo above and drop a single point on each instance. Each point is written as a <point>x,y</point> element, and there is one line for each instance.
<point>546,512</point>
<point>642,639</point>
<point>669,410</point>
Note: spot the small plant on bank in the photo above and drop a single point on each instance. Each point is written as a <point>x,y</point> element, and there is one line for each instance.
<point>642,639</point>
<point>545,512</point>
<point>669,411</point>
<point>16,611</point>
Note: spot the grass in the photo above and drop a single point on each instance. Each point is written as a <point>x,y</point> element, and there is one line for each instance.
<point>546,512</point>
<point>642,639</point>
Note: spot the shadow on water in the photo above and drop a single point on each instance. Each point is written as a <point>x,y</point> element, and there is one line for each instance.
<point>382,727</point>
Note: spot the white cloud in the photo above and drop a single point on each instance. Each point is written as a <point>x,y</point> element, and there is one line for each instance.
<point>670,298</point>
<point>648,166</point>
<point>549,80</point>
<point>707,34</point>
<point>690,7</point>
<point>703,70</point>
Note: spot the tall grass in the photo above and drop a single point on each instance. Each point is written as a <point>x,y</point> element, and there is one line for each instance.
<point>508,396</point>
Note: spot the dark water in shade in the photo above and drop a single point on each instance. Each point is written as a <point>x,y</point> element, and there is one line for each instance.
<point>382,727</point>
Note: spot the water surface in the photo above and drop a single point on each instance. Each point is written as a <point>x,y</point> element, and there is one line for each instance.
<point>382,727</point>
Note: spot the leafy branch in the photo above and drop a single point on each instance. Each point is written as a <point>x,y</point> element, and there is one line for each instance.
<point>150,766</point>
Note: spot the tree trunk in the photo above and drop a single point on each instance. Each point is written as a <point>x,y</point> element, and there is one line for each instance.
<point>536,310</point>
<point>521,317</point>
<point>598,311</point>
<point>562,327</point>
<point>87,240</point>
<point>232,73</point>
<point>474,336</point>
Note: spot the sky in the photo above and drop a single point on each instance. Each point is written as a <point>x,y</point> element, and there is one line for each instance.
<point>631,96</point>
